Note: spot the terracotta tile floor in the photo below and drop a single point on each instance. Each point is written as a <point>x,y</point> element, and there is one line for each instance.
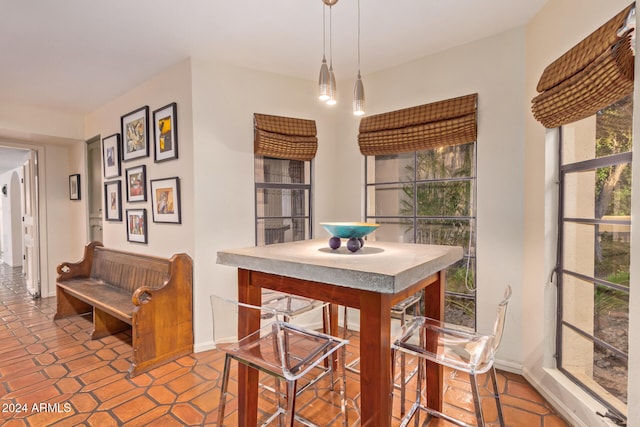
<point>51,374</point>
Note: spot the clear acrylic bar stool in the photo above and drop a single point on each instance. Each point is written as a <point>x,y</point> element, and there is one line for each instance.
<point>285,351</point>
<point>291,307</point>
<point>456,347</point>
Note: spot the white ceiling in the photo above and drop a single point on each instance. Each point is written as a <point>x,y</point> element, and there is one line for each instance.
<point>75,55</point>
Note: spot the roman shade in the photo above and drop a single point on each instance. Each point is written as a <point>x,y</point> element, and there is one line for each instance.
<point>284,137</point>
<point>592,75</point>
<point>439,124</point>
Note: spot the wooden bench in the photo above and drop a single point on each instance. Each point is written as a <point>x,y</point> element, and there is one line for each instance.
<point>150,295</point>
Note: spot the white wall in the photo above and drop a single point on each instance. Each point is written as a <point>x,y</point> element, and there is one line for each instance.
<point>50,133</point>
<point>53,169</point>
<point>493,68</point>
<point>555,29</point>
<point>55,208</point>
<point>224,100</point>
<point>26,122</point>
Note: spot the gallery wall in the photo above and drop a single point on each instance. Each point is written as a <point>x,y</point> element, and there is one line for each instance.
<point>163,239</point>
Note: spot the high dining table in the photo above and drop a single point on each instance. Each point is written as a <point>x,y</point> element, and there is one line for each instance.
<point>372,279</point>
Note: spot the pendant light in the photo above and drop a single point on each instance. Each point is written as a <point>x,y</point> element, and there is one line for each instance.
<point>333,93</point>
<point>323,79</point>
<point>358,90</point>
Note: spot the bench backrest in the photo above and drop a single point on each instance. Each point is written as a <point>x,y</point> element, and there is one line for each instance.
<point>127,270</point>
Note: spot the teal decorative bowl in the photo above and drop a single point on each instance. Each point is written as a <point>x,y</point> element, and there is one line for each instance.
<point>354,231</point>
<point>347,230</point>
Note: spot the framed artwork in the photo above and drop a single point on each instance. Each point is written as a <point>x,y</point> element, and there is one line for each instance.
<point>74,186</point>
<point>165,200</point>
<point>165,133</point>
<point>112,201</point>
<point>135,134</point>
<point>111,156</point>
<point>137,184</point>
<point>137,225</point>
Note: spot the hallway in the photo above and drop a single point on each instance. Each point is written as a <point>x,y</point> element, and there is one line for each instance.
<point>51,374</point>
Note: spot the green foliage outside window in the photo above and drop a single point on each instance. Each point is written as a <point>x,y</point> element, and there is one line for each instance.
<point>439,199</point>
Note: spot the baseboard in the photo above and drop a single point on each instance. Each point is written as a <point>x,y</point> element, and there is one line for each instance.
<point>205,346</point>
<point>504,365</point>
<point>583,404</point>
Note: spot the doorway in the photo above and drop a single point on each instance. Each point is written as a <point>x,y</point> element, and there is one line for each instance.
<point>94,188</point>
<point>19,231</point>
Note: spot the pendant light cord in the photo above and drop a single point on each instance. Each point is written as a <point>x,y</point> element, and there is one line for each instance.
<point>330,36</point>
<point>324,31</point>
<point>358,37</point>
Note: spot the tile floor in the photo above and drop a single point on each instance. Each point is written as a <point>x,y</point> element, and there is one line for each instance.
<point>52,374</point>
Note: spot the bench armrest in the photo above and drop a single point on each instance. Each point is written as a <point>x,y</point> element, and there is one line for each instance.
<point>142,295</point>
<point>82,268</point>
<point>177,288</point>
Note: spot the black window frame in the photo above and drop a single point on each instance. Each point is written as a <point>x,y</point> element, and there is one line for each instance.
<point>469,256</point>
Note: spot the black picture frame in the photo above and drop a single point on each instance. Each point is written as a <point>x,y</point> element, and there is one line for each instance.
<point>74,187</point>
<point>137,225</point>
<point>135,134</point>
<point>136,182</point>
<point>165,200</point>
<point>113,201</point>
<point>111,156</point>
<point>165,133</point>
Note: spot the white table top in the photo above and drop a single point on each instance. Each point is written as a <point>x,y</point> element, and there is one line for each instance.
<point>383,267</point>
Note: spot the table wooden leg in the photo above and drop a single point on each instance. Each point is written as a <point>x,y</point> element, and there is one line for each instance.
<point>332,322</point>
<point>434,308</point>
<point>375,359</point>
<point>248,321</point>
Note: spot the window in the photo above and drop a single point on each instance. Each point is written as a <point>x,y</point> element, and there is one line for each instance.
<point>283,200</point>
<point>429,197</point>
<point>594,253</point>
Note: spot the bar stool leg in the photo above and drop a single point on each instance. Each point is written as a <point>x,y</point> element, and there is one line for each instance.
<point>421,376</point>
<point>279,397</point>
<point>223,389</point>
<point>476,399</point>
<point>291,402</point>
<point>342,357</point>
<point>496,395</point>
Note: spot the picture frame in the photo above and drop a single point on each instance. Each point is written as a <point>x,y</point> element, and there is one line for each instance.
<point>74,187</point>
<point>165,200</point>
<point>135,134</point>
<point>137,225</point>
<point>136,184</point>
<point>165,133</point>
<point>111,156</point>
<point>113,201</point>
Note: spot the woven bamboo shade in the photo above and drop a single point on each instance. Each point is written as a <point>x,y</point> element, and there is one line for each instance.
<point>592,75</point>
<point>284,137</point>
<point>443,123</point>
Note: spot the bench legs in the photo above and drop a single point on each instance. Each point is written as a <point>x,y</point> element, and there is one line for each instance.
<point>69,306</point>
<point>105,324</point>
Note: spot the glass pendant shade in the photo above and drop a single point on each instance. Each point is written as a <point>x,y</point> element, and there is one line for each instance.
<point>323,81</point>
<point>358,97</point>
<point>333,91</point>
